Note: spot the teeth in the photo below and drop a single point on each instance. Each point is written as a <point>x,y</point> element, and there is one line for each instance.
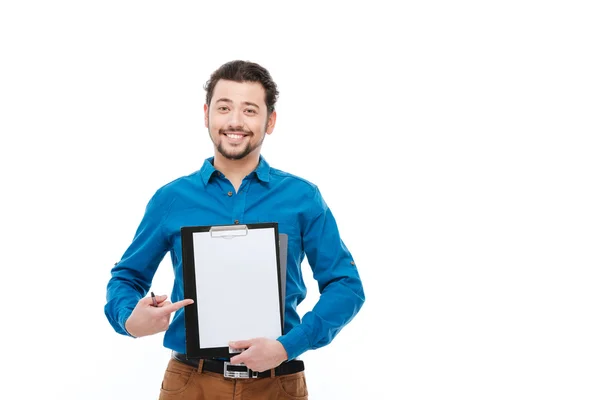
<point>230,135</point>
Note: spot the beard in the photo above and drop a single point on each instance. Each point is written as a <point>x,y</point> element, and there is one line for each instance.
<point>240,151</point>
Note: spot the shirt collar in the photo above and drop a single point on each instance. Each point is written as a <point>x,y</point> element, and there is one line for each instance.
<point>263,170</point>
<point>207,170</point>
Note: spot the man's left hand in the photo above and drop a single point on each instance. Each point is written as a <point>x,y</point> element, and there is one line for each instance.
<point>260,355</point>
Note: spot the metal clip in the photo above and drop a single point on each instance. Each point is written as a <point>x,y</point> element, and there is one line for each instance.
<point>228,231</point>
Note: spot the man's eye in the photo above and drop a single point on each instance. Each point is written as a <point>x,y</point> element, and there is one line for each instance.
<point>222,108</point>
<point>251,111</point>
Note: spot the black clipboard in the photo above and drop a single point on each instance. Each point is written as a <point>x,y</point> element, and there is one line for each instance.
<point>234,275</point>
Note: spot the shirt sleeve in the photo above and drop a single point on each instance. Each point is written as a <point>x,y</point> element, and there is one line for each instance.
<point>341,289</point>
<point>132,276</point>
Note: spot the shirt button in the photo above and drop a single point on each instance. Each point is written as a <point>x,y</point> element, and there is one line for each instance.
<point>236,222</point>
<point>352,263</point>
<point>229,194</point>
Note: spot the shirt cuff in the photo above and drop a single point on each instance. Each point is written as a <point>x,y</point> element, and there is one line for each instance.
<point>124,314</point>
<point>295,342</point>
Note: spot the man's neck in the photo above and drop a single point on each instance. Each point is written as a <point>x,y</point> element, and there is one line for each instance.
<point>236,170</point>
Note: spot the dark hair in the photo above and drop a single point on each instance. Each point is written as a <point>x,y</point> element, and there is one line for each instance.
<point>244,71</point>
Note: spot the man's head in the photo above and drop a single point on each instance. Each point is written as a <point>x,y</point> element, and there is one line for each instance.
<point>240,108</point>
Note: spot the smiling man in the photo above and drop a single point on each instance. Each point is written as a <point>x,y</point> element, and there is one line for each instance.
<point>238,126</point>
<point>238,119</point>
<point>238,186</point>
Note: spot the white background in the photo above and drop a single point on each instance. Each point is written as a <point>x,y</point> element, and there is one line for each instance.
<point>456,143</point>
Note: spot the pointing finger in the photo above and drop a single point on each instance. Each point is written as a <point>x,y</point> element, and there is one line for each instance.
<point>171,308</point>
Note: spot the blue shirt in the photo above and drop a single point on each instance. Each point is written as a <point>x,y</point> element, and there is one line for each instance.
<point>206,197</point>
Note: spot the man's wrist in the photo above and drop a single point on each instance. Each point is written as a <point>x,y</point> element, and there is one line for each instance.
<point>124,316</point>
<point>295,342</point>
<point>283,355</point>
<point>127,328</point>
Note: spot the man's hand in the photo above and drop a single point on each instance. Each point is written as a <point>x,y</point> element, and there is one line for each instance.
<point>147,320</point>
<point>261,354</point>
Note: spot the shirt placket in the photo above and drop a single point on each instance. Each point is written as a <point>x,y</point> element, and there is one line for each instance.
<point>238,201</point>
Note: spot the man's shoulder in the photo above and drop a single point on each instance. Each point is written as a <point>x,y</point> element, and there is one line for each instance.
<point>181,183</point>
<point>299,182</point>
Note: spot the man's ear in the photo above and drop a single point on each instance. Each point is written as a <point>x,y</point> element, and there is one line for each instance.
<point>206,115</point>
<point>271,122</point>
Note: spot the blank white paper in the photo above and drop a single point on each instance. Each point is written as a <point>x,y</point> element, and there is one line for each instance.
<point>237,288</point>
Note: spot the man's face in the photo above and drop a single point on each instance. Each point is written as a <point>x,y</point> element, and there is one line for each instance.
<point>237,119</point>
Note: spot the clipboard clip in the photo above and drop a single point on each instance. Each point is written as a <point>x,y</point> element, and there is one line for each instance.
<point>229,231</point>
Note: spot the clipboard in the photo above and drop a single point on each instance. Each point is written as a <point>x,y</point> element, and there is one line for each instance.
<point>234,275</point>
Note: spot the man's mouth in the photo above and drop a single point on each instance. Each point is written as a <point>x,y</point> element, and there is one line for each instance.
<point>235,135</point>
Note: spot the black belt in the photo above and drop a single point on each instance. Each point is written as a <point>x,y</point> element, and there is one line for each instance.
<point>218,366</point>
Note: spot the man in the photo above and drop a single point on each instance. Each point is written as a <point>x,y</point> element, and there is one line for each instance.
<point>237,186</point>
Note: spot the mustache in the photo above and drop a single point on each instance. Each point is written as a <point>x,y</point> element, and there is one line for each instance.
<point>244,131</point>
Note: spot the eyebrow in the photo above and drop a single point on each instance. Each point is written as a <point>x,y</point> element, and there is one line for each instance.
<point>248,103</point>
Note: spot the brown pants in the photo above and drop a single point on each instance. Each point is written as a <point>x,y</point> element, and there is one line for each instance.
<point>184,382</point>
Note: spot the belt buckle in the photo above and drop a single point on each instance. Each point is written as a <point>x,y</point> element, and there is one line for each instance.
<point>238,371</point>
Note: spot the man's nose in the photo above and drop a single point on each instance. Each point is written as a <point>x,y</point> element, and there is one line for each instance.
<point>236,120</point>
